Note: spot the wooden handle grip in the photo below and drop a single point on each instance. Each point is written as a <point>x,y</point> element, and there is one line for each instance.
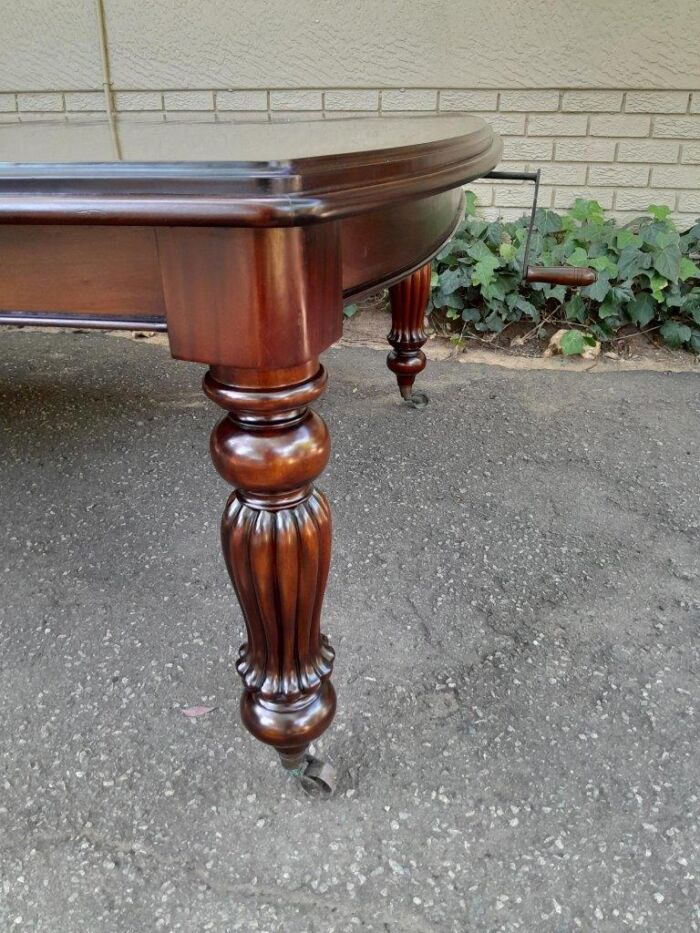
<point>572,276</point>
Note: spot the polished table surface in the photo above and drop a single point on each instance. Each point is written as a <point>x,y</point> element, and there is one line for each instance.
<point>243,240</point>
<point>219,140</point>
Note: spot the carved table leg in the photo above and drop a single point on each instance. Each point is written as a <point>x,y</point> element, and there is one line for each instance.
<point>276,536</point>
<point>409,298</point>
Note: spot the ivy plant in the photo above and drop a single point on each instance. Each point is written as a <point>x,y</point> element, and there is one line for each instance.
<point>648,274</point>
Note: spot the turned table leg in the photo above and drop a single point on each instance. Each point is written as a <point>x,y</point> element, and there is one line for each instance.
<point>276,536</point>
<point>408,298</point>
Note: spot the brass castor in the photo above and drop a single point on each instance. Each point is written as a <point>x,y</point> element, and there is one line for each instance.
<point>317,777</point>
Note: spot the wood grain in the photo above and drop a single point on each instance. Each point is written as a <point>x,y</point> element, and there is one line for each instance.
<point>571,276</point>
<point>107,270</point>
<point>255,299</point>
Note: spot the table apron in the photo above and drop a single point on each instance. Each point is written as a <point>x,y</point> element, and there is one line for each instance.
<point>251,298</point>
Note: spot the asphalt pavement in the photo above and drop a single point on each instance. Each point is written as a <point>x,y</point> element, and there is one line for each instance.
<point>514,601</point>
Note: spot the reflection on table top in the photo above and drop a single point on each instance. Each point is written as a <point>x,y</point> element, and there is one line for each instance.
<point>230,141</point>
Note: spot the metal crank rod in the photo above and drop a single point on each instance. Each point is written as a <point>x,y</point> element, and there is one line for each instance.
<point>571,276</point>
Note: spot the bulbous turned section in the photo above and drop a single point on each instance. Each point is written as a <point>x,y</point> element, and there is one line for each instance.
<point>409,299</point>
<point>269,459</point>
<point>276,538</point>
<point>289,727</point>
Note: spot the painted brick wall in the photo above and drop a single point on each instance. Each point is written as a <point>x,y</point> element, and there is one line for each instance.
<point>625,148</point>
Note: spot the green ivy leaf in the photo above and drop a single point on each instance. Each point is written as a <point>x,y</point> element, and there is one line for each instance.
<point>673,297</point>
<point>659,211</point>
<point>495,323</point>
<point>453,279</point>
<point>460,245</point>
<point>622,293</point>
<point>599,289</point>
<point>547,221</point>
<point>691,305</point>
<point>688,270</point>
<point>642,309</point>
<point>551,292</point>
<point>609,307</point>
<point>469,203</point>
<point>349,310</point>
<point>658,284</point>
<point>575,309</point>
<point>486,264</point>
<point>614,322</point>
<point>446,252</point>
<point>586,211</point>
<point>690,240</point>
<point>578,258</point>
<point>626,238</point>
<point>527,307</point>
<point>572,343</point>
<point>479,250</point>
<point>494,233</point>
<point>667,262</point>
<point>631,262</point>
<point>494,291</point>
<point>471,315</point>
<point>475,228</point>
<point>601,330</point>
<point>675,334</point>
<point>653,232</point>
<point>484,271</point>
<point>507,251</point>
<point>603,264</point>
<point>666,238</point>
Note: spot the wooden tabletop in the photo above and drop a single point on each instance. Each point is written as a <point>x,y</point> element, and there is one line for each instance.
<point>274,173</point>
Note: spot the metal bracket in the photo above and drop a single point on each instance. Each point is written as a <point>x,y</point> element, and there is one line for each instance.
<point>523,176</point>
<point>82,322</point>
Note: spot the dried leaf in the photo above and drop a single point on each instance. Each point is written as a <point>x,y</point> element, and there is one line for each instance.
<point>192,712</point>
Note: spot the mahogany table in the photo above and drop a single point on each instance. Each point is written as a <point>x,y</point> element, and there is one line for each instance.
<point>245,252</point>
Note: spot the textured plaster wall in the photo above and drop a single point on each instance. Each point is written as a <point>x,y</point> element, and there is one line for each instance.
<point>354,43</point>
<point>604,96</point>
<point>48,45</point>
<point>413,43</point>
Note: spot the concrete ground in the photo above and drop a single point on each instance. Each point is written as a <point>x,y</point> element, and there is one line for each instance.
<point>514,600</point>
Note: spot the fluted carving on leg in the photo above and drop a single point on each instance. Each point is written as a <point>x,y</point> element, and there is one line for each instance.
<point>278,562</point>
<point>409,299</point>
<point>276,537</point>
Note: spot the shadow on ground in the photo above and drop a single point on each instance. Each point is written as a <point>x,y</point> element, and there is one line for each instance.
<point>514,604</point>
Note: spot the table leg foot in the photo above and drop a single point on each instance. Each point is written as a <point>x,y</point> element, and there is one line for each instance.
<point>409,298</point>
<point>276,537</point>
